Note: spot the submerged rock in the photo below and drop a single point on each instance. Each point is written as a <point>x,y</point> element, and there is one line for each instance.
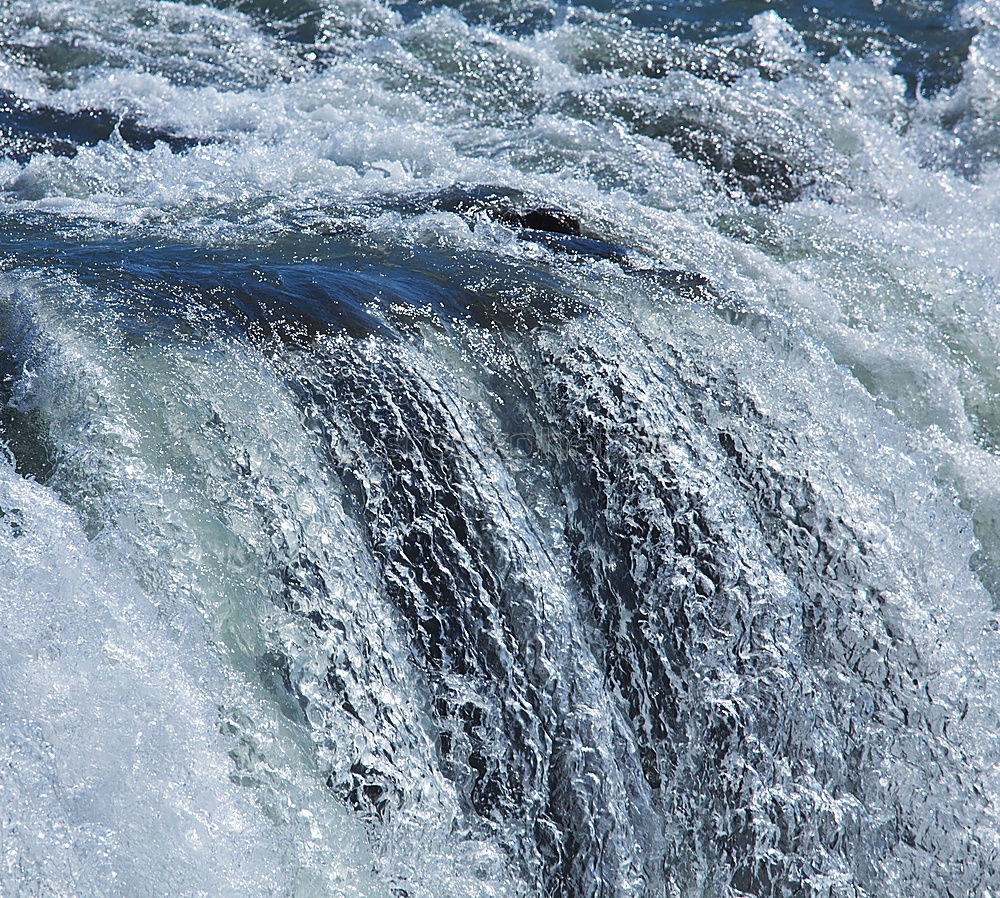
<point>554,228</point>
<point>28,130</point>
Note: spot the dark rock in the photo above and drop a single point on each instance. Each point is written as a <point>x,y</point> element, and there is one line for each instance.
<point>28,130</point>
<point>555,221</point>
<point>506,205</point>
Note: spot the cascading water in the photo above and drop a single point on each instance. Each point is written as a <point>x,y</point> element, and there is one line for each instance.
<point>499,449</point>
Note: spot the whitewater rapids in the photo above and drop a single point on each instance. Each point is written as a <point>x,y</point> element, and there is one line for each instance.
<point>499,449</point>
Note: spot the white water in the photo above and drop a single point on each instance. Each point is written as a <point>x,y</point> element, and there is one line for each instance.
<point>212,611</point>
<point>110,731</point>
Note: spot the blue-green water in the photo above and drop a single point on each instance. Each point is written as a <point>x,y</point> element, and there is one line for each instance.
<point>483,448</point>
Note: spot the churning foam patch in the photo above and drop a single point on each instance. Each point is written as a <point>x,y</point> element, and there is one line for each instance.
<point>110,732</point>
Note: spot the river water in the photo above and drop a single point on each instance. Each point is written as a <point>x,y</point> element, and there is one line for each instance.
<point>492,448</point>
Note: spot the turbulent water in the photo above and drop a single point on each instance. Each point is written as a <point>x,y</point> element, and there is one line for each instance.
<point>499,448</point>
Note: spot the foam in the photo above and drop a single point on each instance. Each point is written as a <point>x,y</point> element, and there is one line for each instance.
<point>437,100</point>
<point>117,781</point>
<point>886,259</point>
